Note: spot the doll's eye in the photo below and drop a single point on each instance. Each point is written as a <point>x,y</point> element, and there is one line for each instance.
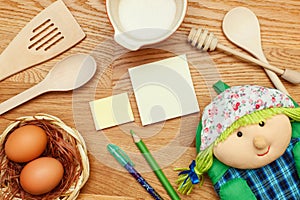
<point>239,134</point>
<point>261,124</point>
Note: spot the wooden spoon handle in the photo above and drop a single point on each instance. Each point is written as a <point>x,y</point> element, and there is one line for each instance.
<point>291,76</point>
<point>22,97</point>
<point>251,59</point>
<point>277,82</point>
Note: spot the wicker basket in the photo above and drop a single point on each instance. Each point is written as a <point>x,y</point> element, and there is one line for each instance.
<point>67,133</point>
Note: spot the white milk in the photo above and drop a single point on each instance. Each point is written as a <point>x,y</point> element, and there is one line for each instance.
<point>147,14</point>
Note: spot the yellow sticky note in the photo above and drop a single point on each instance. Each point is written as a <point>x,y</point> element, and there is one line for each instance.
<point>164,89</point>
<point>111,111</point>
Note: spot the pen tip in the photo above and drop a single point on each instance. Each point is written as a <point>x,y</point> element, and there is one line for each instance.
<point>132,132</point>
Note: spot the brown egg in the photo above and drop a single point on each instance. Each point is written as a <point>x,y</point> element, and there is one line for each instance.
<point>41,175</point>
<point>26,143</point>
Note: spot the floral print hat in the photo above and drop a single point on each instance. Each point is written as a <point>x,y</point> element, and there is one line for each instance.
<point>234,103</point>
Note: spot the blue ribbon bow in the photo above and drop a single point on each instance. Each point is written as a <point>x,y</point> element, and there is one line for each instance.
<point>191,174</point>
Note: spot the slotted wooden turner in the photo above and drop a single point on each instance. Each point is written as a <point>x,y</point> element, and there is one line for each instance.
<point>51,32</point>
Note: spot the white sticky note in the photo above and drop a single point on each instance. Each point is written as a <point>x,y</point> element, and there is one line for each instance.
<point>111,111</point>
<point>163,90</point>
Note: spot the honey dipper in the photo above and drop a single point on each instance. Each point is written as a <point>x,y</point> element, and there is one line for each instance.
<point>204,40</point>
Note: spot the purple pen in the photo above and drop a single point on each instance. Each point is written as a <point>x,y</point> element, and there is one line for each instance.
<point>125,161</point>
<point>142,181</point>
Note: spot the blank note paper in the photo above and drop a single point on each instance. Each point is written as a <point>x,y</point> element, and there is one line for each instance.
<point>163,90</point>
<point>111,111</point>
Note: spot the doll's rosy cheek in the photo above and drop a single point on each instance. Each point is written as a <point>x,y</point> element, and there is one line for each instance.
<point>235,151</point>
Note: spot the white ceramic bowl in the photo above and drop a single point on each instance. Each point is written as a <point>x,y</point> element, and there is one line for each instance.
<point>142,22</point>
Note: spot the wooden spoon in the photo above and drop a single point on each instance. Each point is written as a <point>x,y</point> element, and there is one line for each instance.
<point>69,74</point>
<point>241,27</point>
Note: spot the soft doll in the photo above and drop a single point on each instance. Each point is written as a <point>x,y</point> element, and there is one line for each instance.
<point>249,146</point>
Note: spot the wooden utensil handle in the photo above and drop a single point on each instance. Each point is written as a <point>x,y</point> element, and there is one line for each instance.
<point>291,76</point>
<point>269,69</point>
<point>250,58</point>
<point>7,66</point>
<point>276,81</point>
<point>22,98</point>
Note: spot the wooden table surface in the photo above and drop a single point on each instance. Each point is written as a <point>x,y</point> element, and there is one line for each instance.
<point>171,142</point>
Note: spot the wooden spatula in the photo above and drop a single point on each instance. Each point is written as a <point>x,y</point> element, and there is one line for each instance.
<point>51,32</point>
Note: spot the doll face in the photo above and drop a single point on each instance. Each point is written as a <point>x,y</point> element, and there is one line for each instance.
<point>257,145</point>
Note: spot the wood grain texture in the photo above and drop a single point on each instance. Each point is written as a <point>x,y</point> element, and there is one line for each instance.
<point>172,142</point>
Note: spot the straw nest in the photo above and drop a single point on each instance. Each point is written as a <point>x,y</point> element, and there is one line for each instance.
<point>64,143</point>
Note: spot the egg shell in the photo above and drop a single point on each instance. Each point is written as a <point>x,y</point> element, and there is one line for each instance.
<point>41,175</point>
<point>26,143</point>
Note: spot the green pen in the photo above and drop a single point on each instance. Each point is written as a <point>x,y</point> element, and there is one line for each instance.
<point>154,166</point>
<point>125,161</point>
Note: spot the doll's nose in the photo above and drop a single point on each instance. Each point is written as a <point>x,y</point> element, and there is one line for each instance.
<point>259,142</point>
